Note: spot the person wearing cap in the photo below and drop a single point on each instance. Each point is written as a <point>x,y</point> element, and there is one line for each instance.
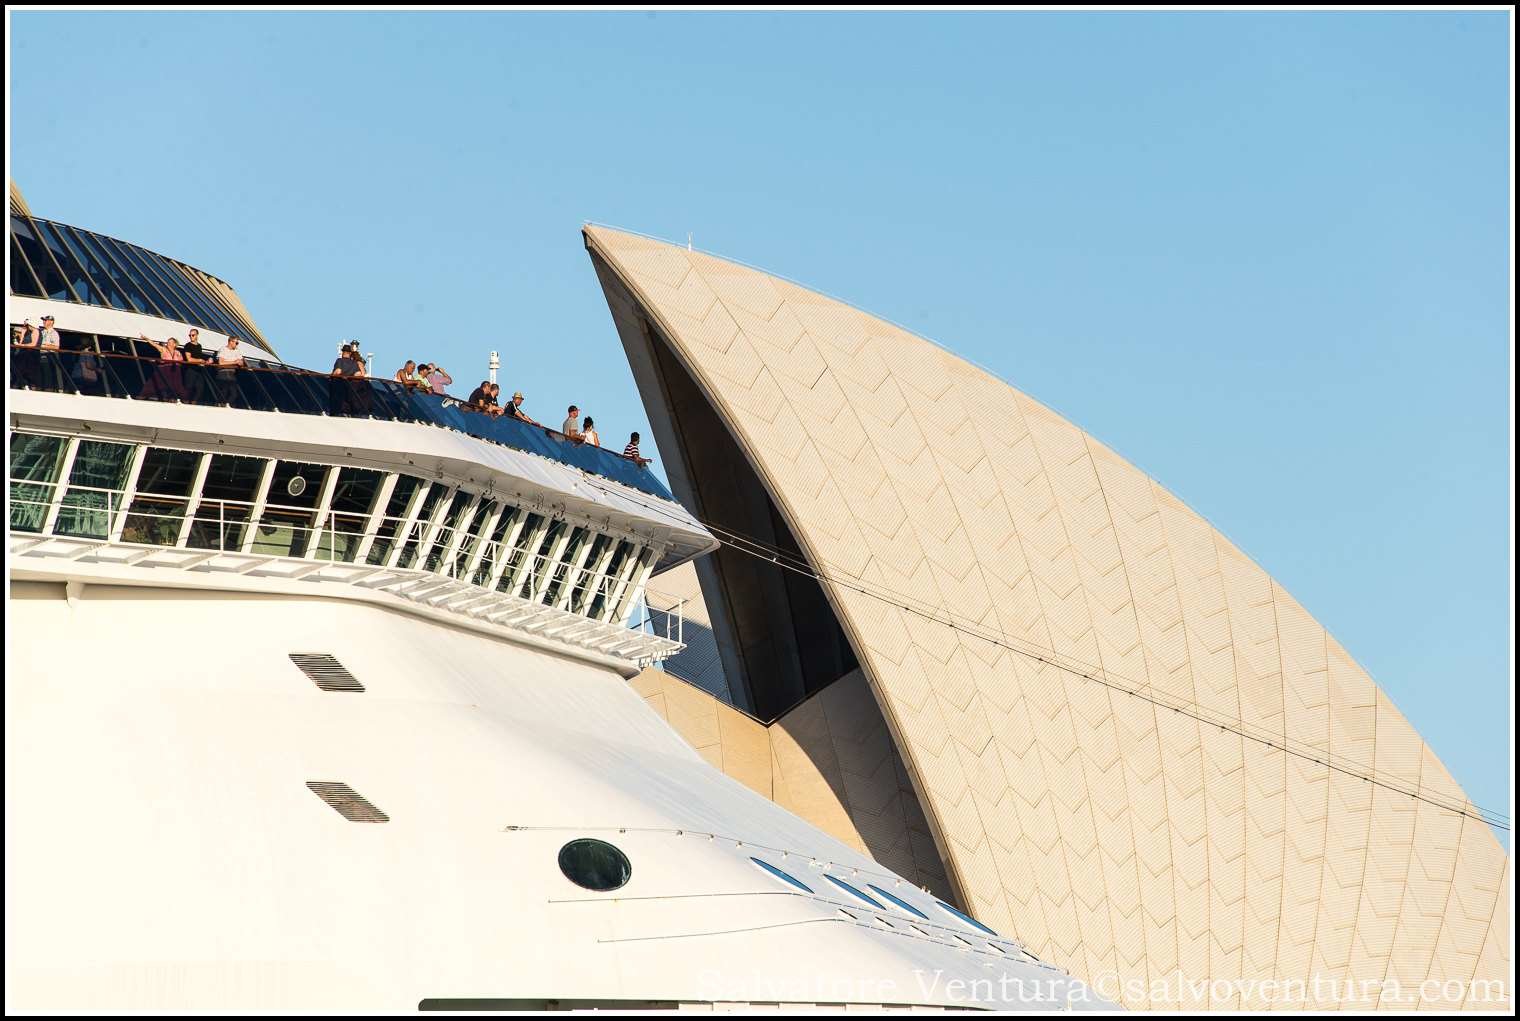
<point>47,340</point>
<point>48,345</point>
<point>572,424</point>
<point>341,396</point>
<point>514,409</point>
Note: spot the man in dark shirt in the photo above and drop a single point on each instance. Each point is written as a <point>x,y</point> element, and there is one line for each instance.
<point>479,396</point>
<point>347,364</point>
<point>514,409</point>
<point>340,392</point>
<point>197,386</point>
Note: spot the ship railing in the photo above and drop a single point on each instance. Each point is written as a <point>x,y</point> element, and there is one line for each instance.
<point>103,516</point>
<point>662,614</point>
<point>278,388</point>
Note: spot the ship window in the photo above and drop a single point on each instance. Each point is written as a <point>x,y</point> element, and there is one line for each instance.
<point>232,483</point>
<point>445,534</point>
<point>157,511</point>
<point>608,583</point>
<point>61,259</point>
<point>633,582</point>
<point>286,524</point>
<point>113,271</point>
<point>94,496</point>
<point>35,463</point>
<point>909,908</point>
<point>487,565</point>
<point>414,534</point>
<point>564,565</point>
<point>23,281</point>
<point>483,511</point>
<point>538,568</point>
<point>965,918</point>
<point>53,284</point>
<point>102,289</point>
<point>594,864</point>
<point>864,898</point>
<point>586,577</point>
<point>348,513</point>
<point>785,877</point>
<point>395,513</point>
<point>139,276</point>
<point>519,551</point>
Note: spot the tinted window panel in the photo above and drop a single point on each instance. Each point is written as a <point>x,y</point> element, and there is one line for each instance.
<point>157,511</point>
<point>35,463</point>
<point>227,497</point>
<point>94,497</point>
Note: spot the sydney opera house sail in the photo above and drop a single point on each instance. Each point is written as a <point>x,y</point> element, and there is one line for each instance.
<point>1134,749</point>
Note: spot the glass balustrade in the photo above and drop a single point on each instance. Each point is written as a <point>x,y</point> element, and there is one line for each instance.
<point>82,369</point>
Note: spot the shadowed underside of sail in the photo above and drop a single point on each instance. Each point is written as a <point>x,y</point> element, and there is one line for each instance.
<point>1137,752</point>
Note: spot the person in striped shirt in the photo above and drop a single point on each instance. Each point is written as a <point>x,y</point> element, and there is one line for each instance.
<point>632,451</point>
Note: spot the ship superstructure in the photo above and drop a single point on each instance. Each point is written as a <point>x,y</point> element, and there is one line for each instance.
<point>318,699</point>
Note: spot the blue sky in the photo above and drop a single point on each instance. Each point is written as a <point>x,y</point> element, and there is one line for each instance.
<point>1265,257</point>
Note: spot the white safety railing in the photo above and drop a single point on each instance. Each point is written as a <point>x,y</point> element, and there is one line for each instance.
<point>559,594</point>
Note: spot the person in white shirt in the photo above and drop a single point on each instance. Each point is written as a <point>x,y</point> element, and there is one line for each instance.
<point>589,436</point>
<point>228,360</point>
<point>48,340</point>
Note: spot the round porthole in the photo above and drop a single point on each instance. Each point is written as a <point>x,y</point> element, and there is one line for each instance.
<point>594,864</point>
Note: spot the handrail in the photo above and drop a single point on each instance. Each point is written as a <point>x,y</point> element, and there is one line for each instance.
<point>535,578</point>
<point>303,391</point>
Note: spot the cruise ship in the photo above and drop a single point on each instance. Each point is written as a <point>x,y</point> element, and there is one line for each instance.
<point>330,694</point>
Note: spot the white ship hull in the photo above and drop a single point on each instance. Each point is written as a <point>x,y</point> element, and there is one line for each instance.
<point>164,852</point>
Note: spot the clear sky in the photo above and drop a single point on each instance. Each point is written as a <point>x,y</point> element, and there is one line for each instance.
<point>1265,257</point>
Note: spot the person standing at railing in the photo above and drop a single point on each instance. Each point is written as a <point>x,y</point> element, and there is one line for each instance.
<point>439,381</point>
<point>589,437</point>
<point>196,359</point>
<point>228,361</point>
<point>572,425</point>
<point>48,345</point>
<point>360,384</point>
<point>167,383</point>
<point>27,362</point>
<point>514,409</point>
<point>407,374</point>
<point>346,371</point>
<point>632,451</point>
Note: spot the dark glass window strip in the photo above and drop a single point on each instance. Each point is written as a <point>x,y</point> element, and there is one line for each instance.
<point>23,279</point>
<point>76,265</point>
<point>54,284</point>
<point>155,296</point>
<point>187,309</point>
<point>130,288</point>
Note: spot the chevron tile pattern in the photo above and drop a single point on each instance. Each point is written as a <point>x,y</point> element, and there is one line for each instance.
<point>1113,835</point>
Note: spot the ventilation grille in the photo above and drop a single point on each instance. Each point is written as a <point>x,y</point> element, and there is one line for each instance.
<point>325,671</point>
<point>346,801</point>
